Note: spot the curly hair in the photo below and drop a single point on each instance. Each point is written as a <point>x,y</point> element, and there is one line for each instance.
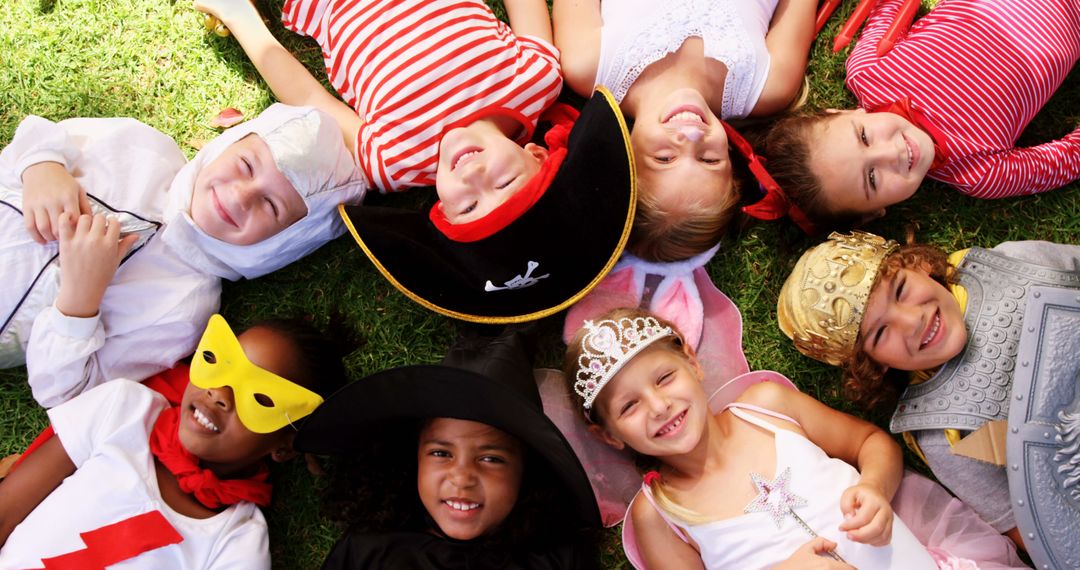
<point>375,490</point>
<point>787,145</point>
<point>664,233</point>
<point>866,382</point>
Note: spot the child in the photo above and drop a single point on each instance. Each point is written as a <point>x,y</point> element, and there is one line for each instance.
<point>128,477</point>
<point>457,467</point>
<point>716,500</point>
<point>678,68</point>
<point>442,93</point>
<point>95,305</point>
<point>947,102</point>
<point>972,327</point>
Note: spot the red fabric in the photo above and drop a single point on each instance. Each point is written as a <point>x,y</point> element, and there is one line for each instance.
<point>207,488</point>
<point>775,204</point>
<point>118,542</point>
<point>903,108</point>
<point>979,70</point>
<point>562,118</point>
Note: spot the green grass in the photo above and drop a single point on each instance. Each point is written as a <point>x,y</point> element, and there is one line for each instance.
<point>154,61</point>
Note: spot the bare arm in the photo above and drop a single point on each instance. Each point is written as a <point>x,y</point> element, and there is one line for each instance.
<point>658,544</point>
<point>788,42</point>
<point>577,35</point>
<point>290,81</point>
<point>529,18</point>
<point>24,489</point>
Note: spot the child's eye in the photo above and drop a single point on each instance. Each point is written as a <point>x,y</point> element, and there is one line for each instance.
<point>273,206</point>
<point>878,334</point>
<point>862,136</point>
<point>247,166</point>
<point>665,378</point>
<point>900,288</point>
<point>872,179</point>
<point>439,453</point>
<point>663,159</point>
<point>627,407</point>
<point>710,161</point>
<point>469,208</point>
<point>506,184</point>
<point>492,459</point>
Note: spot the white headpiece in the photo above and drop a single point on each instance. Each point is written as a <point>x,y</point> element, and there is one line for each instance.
<point>309,150</point>
<point>610,344</point>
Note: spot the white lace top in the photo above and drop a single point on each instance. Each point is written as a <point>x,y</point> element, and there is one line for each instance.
<point>637,33</point>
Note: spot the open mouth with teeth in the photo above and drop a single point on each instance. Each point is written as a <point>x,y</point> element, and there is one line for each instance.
<point>462,506</point>
<point>464,155</point>
<point>931,332</point>
<point>911,152</point>
<point>672,426</point>
<point>686,115</point>
<point>204,421</point>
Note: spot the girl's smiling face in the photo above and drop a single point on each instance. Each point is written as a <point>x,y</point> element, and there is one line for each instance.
<point>869,161</point>
<point>209,426</point>
<point>912,322</point>
<point>655,404</point>
<point>468,476</point>
<point>242,198</point>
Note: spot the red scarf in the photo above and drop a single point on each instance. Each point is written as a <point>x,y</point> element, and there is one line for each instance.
<point>904,108</point>
<point>207,488</point>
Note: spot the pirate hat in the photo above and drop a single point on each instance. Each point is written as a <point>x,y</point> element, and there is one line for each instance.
<point>540,261</point>
<point>482,380</point>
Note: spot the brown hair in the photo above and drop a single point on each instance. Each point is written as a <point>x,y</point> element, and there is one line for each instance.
<point>865,381</point>
<point>668,234</point>
<point>787,145</point>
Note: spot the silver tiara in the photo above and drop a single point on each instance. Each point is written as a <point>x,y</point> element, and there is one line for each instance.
<point>607,346</point>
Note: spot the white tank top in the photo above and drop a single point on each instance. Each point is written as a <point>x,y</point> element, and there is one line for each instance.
<point>753,541</point>
<point>637,33</point>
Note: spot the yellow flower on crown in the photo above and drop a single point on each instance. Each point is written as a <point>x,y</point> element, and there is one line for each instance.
<point>822,303</point>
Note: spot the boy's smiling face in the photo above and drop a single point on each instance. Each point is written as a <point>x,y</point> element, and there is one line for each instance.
<point>912,322</point>
<point>242,198</point>
<point>866,162</point>
<point>468,476</point>
<point>480,168</point>
<point>209,426</point>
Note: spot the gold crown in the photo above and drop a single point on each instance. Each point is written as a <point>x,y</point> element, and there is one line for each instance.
<point>822,302</point>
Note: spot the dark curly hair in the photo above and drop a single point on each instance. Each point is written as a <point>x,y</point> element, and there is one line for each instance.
<point>866,382</point>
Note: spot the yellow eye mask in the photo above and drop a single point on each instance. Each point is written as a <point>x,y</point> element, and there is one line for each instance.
<point>265,402</point>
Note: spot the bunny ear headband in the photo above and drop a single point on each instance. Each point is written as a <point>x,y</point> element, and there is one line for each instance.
<point>775,204</point>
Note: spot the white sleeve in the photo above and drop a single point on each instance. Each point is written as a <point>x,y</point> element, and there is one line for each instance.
<point>245,547</point>
<point>84,423</point>
<point>1057,255</point>
<point>67,355</point>
<point>36,140</point>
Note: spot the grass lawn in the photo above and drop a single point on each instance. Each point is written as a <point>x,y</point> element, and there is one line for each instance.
<point>153,60</point>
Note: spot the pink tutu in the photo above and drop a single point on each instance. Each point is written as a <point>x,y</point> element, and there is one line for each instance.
<point>953,534</point>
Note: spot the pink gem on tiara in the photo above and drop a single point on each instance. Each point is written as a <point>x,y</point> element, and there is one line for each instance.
<point>608,345</point>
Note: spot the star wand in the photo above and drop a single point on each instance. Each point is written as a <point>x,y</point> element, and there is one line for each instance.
<point>778,500</point>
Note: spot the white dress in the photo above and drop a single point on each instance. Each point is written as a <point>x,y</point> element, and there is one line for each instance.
<point>106,433</point>
<point>637,33</point>
<point>157,303</point>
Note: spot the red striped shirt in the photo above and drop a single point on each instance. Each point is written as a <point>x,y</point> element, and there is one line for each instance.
<point>411,69</point>
<point>980,70</point>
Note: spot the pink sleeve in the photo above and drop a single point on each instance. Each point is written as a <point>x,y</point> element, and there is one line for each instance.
<point>1018,171</point>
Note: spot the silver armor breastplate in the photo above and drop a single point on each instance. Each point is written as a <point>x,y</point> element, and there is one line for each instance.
<point>975,386</point>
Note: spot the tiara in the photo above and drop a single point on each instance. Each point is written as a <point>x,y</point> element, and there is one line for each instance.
<point>607,346</point>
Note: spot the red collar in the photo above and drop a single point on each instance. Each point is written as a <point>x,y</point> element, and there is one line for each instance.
<point>207,488</point>
<point>905,109</point>
<point>563,117</point>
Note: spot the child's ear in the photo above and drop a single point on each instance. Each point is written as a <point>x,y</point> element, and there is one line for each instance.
<point>538,152</point>
<point>691,357</point>
<point>604,436</point>
<point>867,218</point>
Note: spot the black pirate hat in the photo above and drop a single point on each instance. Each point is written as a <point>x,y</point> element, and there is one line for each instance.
<point>538,263</point>
<point>482,380</point>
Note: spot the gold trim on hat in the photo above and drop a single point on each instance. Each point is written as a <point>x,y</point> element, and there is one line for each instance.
<point>822,303</point>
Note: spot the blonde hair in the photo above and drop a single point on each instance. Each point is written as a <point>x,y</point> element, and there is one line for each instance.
<point>662,233</point>
<point>673,343</point>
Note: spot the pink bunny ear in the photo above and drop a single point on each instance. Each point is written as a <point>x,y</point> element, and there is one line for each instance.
<point>619,289</point>
<point>678,301</point>
<point>720,352</point>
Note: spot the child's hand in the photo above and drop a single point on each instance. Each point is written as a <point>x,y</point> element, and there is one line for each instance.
<point>49,190</point>
<point>90,251</point>
<point>814,556</point>
<point>228,11</point>
<point>868,516</point>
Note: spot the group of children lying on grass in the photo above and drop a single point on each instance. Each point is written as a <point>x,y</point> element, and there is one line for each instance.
<point>116,246</point>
